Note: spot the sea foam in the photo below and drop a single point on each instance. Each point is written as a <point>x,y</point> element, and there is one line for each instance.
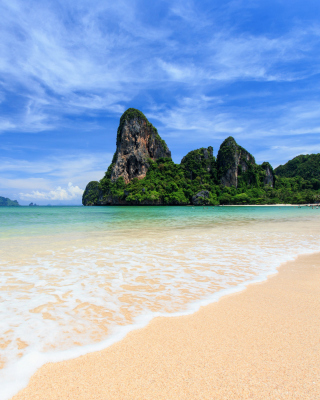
<point>62,303</point>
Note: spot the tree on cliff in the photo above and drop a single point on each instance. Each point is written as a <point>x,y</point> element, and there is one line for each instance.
<point>143,173</point>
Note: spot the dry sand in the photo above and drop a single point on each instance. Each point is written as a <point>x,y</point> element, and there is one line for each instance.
<point>263,343</point>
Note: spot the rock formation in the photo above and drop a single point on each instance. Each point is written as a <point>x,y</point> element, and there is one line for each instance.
<point>137,142</point>
<point>232,160</point>
<point>201,198</point>
<point>5,202</point>
<point>143,173</point>
<point>199,162</point>
<point>269,179</point>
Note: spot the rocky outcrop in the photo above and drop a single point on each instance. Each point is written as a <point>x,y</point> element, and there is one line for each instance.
<point>269,178</point>
<point>201,198</point>
<point>142,172</point>
<point>232,161</point>
<point>199,162</point>
<point>137,142</point>
<point>91,194</point>
<point>5,202</point>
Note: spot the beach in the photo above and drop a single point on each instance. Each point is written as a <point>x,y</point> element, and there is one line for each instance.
<point>82,281</point>
<point>262,343</point>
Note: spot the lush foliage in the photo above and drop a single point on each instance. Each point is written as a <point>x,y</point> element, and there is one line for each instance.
<point>306,166</point>
<point>91,194</point>
<point>170,183</point>
<point>4,201</point>
<point>200,173</point>
<point>200,163</point>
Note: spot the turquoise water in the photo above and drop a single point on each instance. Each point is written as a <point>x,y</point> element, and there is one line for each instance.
<point>76,279</point>
<point>16,221</point>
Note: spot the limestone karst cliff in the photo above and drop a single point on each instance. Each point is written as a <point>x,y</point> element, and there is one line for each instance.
<point>143,173</point>
<point>138,141</point>
<point>138,144</point>
<point>269,179</point>
<point>232,161</point>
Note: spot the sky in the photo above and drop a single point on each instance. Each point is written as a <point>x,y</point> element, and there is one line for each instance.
<point>199,70</point>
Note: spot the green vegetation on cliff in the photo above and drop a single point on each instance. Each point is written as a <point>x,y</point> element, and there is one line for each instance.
<point>231,178</point>
<point>169,183</point>
<point>200,163</point>
<point>305,166</point>
<point>5,202</point>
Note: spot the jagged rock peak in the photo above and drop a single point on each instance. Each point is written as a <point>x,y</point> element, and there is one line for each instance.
<point>232,160</point>
<point>269,178</point>
<point>138,141</point>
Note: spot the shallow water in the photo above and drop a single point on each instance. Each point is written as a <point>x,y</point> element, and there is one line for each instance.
<point>72,278</point>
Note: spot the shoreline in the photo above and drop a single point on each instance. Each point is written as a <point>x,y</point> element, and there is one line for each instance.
<point>163,339</point>
<point>270,205</point>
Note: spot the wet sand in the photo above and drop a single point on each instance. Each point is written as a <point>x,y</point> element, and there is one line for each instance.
<point>263,343</point>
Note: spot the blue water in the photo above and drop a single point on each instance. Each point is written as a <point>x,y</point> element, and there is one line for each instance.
<point>15,221</point>
<point>76,279</point>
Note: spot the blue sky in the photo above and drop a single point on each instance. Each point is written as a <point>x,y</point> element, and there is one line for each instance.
<point>199,70</point>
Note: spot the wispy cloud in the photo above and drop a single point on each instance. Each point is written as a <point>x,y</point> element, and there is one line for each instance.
<point>61,194</point>
<point>49,177</point>
<point>200,71</point>
<point>68,58</point>
<point>280,154</point>
<point>208,117</point>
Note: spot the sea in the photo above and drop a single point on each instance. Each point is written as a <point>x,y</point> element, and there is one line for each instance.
<point>76,279</point>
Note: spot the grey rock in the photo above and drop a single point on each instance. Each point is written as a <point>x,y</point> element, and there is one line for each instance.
<point>138,143</point>
<point>269,178</point>
<point>201,198</point>
<point>232,159</point>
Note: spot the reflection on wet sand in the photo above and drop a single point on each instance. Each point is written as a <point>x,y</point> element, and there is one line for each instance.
<point>79,290</point>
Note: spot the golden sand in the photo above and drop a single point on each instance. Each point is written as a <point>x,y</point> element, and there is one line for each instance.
<point>263,343</point>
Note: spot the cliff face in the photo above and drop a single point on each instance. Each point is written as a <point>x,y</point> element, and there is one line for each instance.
<point>137,142</point>
<point>269,178</point>
<point>232,161</point>
<point>143,173</point>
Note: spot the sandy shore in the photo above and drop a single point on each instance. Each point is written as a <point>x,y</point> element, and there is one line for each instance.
<point>272,205</point>
<point>263,343</point>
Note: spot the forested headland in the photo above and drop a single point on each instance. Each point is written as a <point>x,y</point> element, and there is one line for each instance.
<point>5,202</point>
<point>143,173</point>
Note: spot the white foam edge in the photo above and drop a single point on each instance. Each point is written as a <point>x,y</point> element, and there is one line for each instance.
<point>16,376</point>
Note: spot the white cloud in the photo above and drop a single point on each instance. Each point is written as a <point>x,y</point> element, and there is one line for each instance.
<point>280,154</point>
<point>69,57</point>
<point>206,117</point>
<point>227,57</point>
<point>49,178</point>
<point>26,184</point>
<point>69,193</point>
<point>64,167</point>
<point>6,125</point>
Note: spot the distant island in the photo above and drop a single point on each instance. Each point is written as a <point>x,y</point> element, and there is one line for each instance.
<point>5,202</point>
<point>143,173</point>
